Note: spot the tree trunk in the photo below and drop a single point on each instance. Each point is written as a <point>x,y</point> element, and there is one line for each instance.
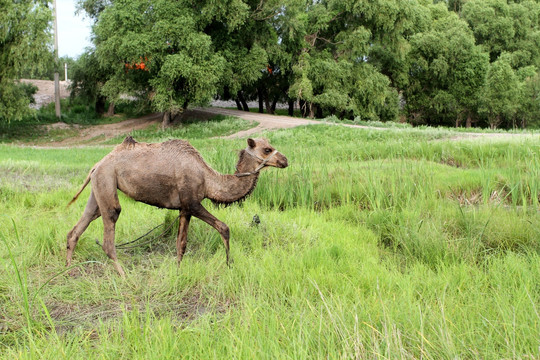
<point>243,101</point>
<point>100,104</point>
<point>110,111</point>
<point>260,96</point>
<point>468,123</point>
<point>311,111</point>
<point>274,103</point>
<point>166,120</point>
<point>267,105</point>
<point>318,112</point>
<point>238,105</point>
<point>303,108</point>
<point>291,108</point>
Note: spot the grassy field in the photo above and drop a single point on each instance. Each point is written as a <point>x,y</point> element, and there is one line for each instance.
<point>371,244</point>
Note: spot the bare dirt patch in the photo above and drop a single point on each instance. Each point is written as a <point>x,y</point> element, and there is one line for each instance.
<point>107,131</point>
<point>45,93</point>
<point>69,316</point>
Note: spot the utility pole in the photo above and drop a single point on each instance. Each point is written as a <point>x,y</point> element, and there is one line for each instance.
<point>56,76</point>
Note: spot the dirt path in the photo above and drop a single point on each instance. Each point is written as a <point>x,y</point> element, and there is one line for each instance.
<point>104,132</point>
<point>100,133</point>
<point>273,122</point>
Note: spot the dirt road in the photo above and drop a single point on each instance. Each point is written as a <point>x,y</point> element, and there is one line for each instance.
<point>273,122</point>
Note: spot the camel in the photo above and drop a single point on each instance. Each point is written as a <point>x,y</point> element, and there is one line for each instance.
<point>171,175</point>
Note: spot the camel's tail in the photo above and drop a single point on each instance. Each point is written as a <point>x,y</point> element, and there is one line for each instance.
<point>82,188</point>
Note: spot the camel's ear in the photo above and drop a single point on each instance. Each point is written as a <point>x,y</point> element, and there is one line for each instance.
<point>251,143</point>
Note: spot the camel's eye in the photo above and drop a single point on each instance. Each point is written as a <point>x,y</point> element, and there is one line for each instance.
<point>267,150</point>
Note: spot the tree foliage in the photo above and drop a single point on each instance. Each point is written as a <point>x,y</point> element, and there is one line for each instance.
<point>24,44</point>
<point>501,93</point>
<point>447,72</point>
<point>454,62</point>
<point>182,64</point>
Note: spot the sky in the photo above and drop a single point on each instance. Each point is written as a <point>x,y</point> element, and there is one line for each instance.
<point>73,30</point>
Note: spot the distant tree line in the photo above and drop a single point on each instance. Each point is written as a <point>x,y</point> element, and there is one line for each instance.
<point>452,63</point>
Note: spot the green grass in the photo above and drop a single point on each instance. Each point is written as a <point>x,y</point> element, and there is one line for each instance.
<point>216,126</point>
<point>371,244</point>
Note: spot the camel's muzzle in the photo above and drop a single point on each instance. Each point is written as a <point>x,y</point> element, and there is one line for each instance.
<point>282,161</point>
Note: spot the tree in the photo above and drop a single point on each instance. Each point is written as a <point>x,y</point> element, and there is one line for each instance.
<point>500,93</point>
<point>345,46</point>
<point>502,27</point>
<point>48,68</point>
<point>25,41</point>
<point>172,41</point>
<point>528,109</point>
<point>88,77</point>
<point>447,72</point>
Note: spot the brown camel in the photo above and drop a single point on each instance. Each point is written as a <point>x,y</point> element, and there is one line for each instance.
<point>170,175</point>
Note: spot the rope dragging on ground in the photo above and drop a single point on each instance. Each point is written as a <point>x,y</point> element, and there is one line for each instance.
<point>133,244</point>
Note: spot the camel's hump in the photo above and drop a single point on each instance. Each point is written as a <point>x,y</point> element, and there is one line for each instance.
<point>128,142</point>
<point>175,146</point>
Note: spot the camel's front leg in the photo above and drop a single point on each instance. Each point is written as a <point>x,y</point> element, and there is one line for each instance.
<point>181,240</point>
<point>108,242</point>
<point>222,228</point>
<point>104,189</point>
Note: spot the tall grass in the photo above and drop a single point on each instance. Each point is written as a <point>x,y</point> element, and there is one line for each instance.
<point>371,244</point>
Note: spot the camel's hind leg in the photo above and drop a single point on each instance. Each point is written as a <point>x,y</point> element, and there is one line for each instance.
<point>109,206</point>
<point>181,240</point>
<point>91,213</point>
<point>222,228</point>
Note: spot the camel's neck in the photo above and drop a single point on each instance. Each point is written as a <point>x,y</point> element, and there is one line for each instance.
<point>228,189</point>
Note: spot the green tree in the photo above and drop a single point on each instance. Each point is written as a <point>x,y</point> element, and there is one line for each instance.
<point>182,65</point>
<point>502,27</point>
<point>87,79</point>
<point>25,41</point>
<point>500,93</point>
<point>47,69</point>
<point>447,72</point>
<point>245,50</point>
<point>346,45</point>
<point>528,109</point>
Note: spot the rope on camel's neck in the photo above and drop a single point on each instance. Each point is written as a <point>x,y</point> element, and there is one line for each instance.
<point>261,165</point>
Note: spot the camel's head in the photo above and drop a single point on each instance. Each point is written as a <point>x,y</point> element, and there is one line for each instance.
<point>261,149</point>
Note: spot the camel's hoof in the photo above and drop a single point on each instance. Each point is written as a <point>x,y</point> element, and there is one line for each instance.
<point>74,272</point>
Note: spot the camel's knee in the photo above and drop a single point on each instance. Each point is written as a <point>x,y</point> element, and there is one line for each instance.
<point>114,213</point>
<point>223,229</point>
<point>72,239</point>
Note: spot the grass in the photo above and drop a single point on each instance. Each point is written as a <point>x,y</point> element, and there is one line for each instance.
<point>371,244</point>
<point>190,128</point>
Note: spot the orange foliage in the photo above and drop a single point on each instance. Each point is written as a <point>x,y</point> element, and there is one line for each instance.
<point>141,65</point>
